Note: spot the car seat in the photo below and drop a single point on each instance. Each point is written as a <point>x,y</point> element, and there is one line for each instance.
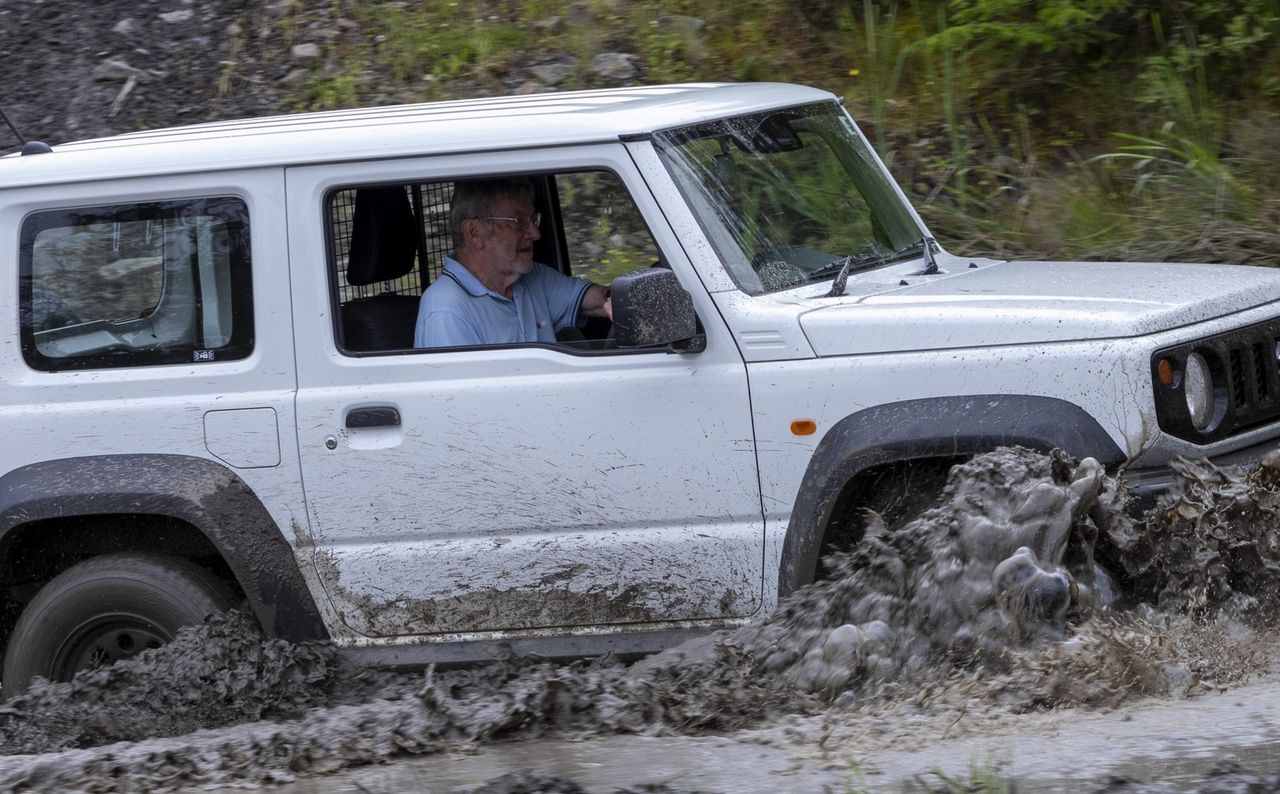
<point>384,247</point>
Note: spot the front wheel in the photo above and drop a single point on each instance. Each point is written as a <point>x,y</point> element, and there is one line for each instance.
<point>897,492</point>
<point>105,609</point>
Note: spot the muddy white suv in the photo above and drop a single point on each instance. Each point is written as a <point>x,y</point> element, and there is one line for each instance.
<point>211,396</point>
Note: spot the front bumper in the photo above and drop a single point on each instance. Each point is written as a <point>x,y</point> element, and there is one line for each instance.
<point>1146,485</point>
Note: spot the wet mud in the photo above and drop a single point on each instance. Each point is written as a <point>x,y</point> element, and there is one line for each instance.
<point>531,783</point>
<point>1026,587</point>
<point>1227,777</point>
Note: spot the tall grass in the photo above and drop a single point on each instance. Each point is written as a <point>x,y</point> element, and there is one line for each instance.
<point>1175,186</point>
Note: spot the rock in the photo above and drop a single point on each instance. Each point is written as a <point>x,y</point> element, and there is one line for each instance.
<point>174,17</point>
<point>615,65</point>
<point>550,24</point>
<point>347,24</point>
<point>295,76</point>
<point>125,27</point>
<point>233,30</point>
<point>555,70</point>
<point>305,53</point>
<point>109,71</point>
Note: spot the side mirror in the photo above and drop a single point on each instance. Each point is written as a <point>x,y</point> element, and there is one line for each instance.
<point>651,308</point>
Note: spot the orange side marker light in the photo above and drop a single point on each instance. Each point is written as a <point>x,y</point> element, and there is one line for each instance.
<point>804,427</point>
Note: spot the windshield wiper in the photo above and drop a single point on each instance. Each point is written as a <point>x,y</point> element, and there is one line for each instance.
<point>925,244</point>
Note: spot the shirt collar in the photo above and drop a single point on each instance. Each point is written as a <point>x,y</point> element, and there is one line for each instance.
<point>466,279</point>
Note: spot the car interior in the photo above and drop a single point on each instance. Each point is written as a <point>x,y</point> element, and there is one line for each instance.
<point>387,244</point>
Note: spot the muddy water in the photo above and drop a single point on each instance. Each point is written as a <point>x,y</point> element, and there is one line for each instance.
<point>1025,588</point>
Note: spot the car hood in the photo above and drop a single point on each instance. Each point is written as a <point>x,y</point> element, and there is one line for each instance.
<point>1011,303</point>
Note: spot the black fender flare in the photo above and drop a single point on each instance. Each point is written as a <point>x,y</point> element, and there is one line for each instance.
<point>926,428</point>
<point>200,492</point>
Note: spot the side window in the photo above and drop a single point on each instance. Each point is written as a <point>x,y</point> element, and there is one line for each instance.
<point>137,284</point>
<point>604,233</point>
<point>388,245</point>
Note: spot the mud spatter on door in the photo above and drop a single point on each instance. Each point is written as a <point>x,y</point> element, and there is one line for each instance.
<point>1026,587</point>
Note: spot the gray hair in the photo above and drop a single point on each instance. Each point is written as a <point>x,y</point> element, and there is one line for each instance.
<point>476,199</point>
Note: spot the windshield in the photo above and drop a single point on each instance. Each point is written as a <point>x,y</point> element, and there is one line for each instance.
<point>788,196</point>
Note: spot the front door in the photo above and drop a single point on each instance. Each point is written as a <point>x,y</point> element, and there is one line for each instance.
<point>515,488</point>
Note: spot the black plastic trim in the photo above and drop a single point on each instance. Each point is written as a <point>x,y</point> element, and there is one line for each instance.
<point>1246,382</point>
<point>200,492</point>
<point>374,416</point>
<point>926,428</point>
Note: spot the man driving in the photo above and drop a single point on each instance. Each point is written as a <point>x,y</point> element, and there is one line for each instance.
<point>491,292</point>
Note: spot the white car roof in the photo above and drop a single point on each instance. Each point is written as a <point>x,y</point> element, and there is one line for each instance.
<point>507,122</point>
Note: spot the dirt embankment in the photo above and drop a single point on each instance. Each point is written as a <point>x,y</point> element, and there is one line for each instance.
<point>66,65</point>
<point>74,69</point>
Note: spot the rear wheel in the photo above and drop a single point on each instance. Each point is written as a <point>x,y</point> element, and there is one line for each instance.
<point>105,609</point>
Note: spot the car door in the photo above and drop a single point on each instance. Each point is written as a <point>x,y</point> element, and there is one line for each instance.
<point>518,488</point>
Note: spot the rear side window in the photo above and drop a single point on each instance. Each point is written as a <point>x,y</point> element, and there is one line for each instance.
<point>136,284</point>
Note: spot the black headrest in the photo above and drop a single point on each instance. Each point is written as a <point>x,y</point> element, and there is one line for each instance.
<point>384,236</point>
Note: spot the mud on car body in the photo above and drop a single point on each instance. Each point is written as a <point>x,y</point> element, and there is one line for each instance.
<point>211,396</point>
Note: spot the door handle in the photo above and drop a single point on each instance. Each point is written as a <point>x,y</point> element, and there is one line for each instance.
<point>375,416</point>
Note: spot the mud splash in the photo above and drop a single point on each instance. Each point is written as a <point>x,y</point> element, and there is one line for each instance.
<point>1026,587</point>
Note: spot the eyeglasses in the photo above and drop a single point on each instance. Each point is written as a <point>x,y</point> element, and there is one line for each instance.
<point>533,220</point>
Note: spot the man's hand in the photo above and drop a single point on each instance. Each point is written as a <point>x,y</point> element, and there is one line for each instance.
<point>597,303</point>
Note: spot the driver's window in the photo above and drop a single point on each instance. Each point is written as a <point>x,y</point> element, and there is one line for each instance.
<point>389,243</point>
<point>604,233</point>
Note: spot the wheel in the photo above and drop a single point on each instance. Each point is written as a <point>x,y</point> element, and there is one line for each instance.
<point>898,492</point>
<point>105,609</point>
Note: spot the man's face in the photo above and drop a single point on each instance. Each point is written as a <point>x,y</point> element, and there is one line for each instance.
<point>508,247</point>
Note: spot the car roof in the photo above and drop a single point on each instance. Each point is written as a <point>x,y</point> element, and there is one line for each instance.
<point>507,122</point>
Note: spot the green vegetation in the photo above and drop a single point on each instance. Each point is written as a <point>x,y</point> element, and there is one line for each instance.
<point>1120,129</point>
<point>983,778</point>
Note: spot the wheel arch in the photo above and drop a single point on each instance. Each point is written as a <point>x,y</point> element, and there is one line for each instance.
<point>172,501</point>
<point>930,428</point>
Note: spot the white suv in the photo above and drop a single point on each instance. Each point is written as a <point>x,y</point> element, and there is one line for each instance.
<point>210,395</point>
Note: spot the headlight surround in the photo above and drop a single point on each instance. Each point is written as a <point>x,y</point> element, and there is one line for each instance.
<point>1198,390</point>
<point>1219,386</point>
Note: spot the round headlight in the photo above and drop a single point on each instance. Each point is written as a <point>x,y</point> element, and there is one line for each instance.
<point>1198,388</point>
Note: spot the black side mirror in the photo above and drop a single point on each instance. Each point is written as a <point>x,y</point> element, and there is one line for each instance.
<point>651,308</point>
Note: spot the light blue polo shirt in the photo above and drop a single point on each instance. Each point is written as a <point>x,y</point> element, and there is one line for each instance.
<point>458,310</point>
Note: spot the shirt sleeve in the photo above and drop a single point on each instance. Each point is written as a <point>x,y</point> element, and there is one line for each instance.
<point>564,295</point>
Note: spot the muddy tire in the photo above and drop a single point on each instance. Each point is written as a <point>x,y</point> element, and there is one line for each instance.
<point>105,609</point>
<point>898,493</point>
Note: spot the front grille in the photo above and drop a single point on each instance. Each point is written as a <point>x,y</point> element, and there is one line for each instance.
<point>1260,370</point>
<point>1247,374</point>
<point>1239,387</point>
